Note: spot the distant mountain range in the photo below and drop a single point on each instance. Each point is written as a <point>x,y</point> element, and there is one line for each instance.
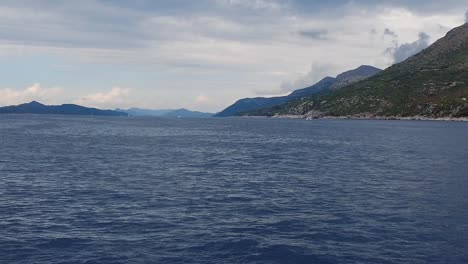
<point>187,113</point>
<point>72,109</point>
<point>432,84</point>
<point>179,113</point>
<point>144,112</point>
<point>65,109</point>
<point>326,84</point>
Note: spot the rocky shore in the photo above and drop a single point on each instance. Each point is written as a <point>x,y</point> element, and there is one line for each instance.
<point>370,117</point>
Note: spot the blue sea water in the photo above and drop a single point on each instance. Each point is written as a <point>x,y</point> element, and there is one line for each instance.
<point>146,190</point>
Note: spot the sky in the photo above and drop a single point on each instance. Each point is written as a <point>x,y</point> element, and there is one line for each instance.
<point>205,54</point>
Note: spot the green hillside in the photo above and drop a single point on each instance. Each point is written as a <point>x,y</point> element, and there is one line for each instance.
<point>433,84</point>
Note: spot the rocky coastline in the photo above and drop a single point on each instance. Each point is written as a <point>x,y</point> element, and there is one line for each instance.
<point>365,117</point>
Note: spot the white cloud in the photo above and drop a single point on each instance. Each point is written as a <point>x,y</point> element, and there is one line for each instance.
<point>116,97</point>
<point>389,32</point>
<point>219,48</point>
<point>201,99</point>
<point>315,73</point>
<point>254,4</point>
<point>406,50</point>
<point>35,92</point>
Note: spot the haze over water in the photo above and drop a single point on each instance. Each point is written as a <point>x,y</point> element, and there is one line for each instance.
<point>146,190</point>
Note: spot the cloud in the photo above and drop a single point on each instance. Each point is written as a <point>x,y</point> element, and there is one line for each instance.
<point>201,99</point>
<point>253,4</point>
<point>316,73</point>
<point>35,92</point>
<point>116,97</point>
<point>388,32</point>
<point>215,34</point>
<point>404,51</point>
<point>466,17</point>
<point>218,48</point>
<point>314,34</point>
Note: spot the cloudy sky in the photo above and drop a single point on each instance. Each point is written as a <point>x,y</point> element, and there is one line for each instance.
<point>202,54</point>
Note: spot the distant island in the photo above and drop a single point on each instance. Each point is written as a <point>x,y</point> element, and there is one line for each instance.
<point>64,109</point>
<point>432,84</point>
<point>73,109</point>
<point>177,113</point>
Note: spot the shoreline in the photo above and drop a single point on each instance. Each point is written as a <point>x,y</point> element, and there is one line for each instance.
<point>409,118</point>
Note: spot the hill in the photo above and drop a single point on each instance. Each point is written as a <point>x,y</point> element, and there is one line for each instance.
<point>65,109</point>
<point>144,112</point>
<point>165,113</point>
<point>431,84</point>
<point>326,84</point>
<point>185,113</point>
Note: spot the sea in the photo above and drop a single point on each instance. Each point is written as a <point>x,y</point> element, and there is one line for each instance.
<point>232,190</point>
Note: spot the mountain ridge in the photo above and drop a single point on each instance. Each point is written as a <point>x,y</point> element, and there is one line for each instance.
<point>326,84</point>
<point>182,112</point>
<point>134,111</point>
<point>35,107</point>
<point>431,84</point>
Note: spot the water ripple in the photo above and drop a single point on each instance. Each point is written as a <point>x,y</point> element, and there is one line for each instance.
<point>144,190</point>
